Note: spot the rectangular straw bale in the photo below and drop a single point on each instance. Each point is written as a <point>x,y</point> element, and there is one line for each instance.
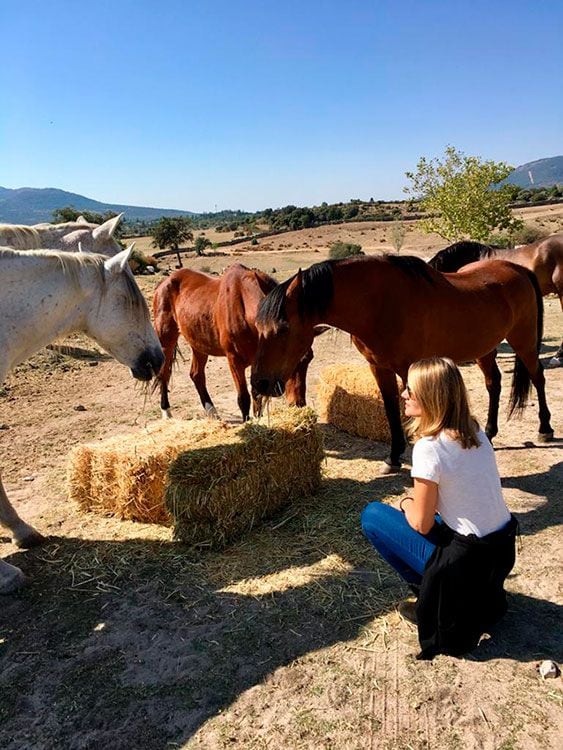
<point>125,475</point>
<point>218,491</point>
<point>349,398</point>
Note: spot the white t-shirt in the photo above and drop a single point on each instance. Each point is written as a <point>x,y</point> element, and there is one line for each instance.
<point>469,493</point>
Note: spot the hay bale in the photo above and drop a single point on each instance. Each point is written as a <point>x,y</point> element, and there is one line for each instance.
<point>125,475</point>
<point>348,398</point>
<point>217,491</point>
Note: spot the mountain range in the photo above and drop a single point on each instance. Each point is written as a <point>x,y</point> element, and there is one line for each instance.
<point>35,205</point>
<point>538,174</point>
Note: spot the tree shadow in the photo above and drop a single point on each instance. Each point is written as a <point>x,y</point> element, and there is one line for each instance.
<point>143,656</point>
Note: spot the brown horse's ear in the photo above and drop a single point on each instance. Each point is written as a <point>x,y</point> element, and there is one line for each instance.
<point>295,282</point>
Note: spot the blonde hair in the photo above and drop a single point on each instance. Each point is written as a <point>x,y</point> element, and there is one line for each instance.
<point>438,387</point>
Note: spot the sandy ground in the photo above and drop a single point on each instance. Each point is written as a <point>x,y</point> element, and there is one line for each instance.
<point>288,639</point>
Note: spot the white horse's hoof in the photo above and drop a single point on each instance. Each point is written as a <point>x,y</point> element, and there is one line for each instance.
<point>166,413</point>
<point>211,412</point>
<point>390,468</point>
<point>11,578</point>
<point>24,536</point>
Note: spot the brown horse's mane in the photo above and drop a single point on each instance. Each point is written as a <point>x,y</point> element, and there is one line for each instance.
<point>459,254</point>
<point>317,287</point>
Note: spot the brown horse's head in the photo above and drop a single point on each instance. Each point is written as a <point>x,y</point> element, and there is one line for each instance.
<point>286,326</point>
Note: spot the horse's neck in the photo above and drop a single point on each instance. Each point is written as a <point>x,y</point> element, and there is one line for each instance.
<point>347,308</point>
<point>39,305</point>
<point>51,236</point>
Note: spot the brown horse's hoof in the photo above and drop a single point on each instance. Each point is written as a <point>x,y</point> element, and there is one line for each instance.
<point>545,437</point>
<point>390,468</point>
<point>35,539</point>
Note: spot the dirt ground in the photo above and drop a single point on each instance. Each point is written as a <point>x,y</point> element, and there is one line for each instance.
<point>290,638</point>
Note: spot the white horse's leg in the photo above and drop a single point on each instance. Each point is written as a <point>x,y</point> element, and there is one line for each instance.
<point>23,535</point>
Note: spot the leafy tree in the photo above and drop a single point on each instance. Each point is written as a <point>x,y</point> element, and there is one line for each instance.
<point>170,232</point>
<point>69,213</point>
<point>398,234</point>
<point>201,244</point>
<point>461,195</point>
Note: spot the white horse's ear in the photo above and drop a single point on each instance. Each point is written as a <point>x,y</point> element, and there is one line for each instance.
<point>81,220</point>
<point>105,231</point>
<point>119,262</point>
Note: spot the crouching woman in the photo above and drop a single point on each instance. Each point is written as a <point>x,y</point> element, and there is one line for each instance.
<point>453,541</point>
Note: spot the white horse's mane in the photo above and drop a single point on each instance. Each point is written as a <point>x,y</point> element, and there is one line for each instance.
<point>72,263</point>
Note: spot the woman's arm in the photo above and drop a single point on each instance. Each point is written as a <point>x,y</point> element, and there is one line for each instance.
<point>421,508</point>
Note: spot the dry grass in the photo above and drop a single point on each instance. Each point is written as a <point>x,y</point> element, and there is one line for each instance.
<point>348,398</point>
<point>221,489</point>
<point>125,475</point>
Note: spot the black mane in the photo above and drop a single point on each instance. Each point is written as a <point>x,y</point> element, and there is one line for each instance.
<point>459,254</point>
<point>314,298</point>
<point>411,265</point>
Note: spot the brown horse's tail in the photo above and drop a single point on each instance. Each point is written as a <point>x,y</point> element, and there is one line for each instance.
<point>521,383</point>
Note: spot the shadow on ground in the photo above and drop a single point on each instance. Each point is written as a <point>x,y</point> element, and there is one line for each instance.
<point>127,644</point>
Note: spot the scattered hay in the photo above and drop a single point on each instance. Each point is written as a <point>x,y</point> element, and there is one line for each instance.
<point>216,492</point>
<point>125,475</point>
<point>348,398</point>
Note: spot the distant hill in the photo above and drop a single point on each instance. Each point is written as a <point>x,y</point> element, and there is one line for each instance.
<point>538,174</point>
<point>35,205</point>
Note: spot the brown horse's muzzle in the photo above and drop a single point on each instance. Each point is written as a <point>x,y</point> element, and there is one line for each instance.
<point>267,386</point>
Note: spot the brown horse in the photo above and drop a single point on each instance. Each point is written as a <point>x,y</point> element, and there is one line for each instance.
<point>399,310</point>
<point>216,317</point>
<point>544,258</point>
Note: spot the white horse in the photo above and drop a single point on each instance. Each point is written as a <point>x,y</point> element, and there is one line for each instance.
<point>94,238</point>
<point>47,294</point>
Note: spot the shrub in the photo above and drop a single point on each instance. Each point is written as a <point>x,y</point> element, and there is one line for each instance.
<point>343,250</point>
<point>528,234</point>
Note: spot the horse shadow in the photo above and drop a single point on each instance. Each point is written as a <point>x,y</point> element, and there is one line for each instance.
<point>137,643</point>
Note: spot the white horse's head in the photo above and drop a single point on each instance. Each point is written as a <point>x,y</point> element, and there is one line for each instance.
<point>94,238</point>
<point>120,321</point>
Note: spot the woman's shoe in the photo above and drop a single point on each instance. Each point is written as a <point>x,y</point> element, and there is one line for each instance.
<point>407,610</point>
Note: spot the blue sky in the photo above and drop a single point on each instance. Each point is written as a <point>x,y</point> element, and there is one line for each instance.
<point>200,105</point>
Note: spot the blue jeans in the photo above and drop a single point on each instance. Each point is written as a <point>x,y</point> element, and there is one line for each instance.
<point>405,549</point>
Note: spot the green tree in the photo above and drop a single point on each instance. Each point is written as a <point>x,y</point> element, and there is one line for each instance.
<point>201,244</point>
<point>462,197</point>
<point>398,233</point>
<point>170,232</point>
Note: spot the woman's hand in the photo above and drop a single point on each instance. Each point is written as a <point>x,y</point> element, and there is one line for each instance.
<point>421,508</point>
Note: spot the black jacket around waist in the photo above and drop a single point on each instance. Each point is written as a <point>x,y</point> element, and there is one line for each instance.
<point>462,591</point>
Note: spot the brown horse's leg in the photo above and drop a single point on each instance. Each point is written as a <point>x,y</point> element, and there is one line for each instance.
<point>167,331</point>
<point>557,359</point>
<point>528,364</point>
<point>237,371</point>
<point>296,386</point>
<point>197,374</point>
<point>168,343</point>
<point>490,370</point>
<point>387,382</point>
